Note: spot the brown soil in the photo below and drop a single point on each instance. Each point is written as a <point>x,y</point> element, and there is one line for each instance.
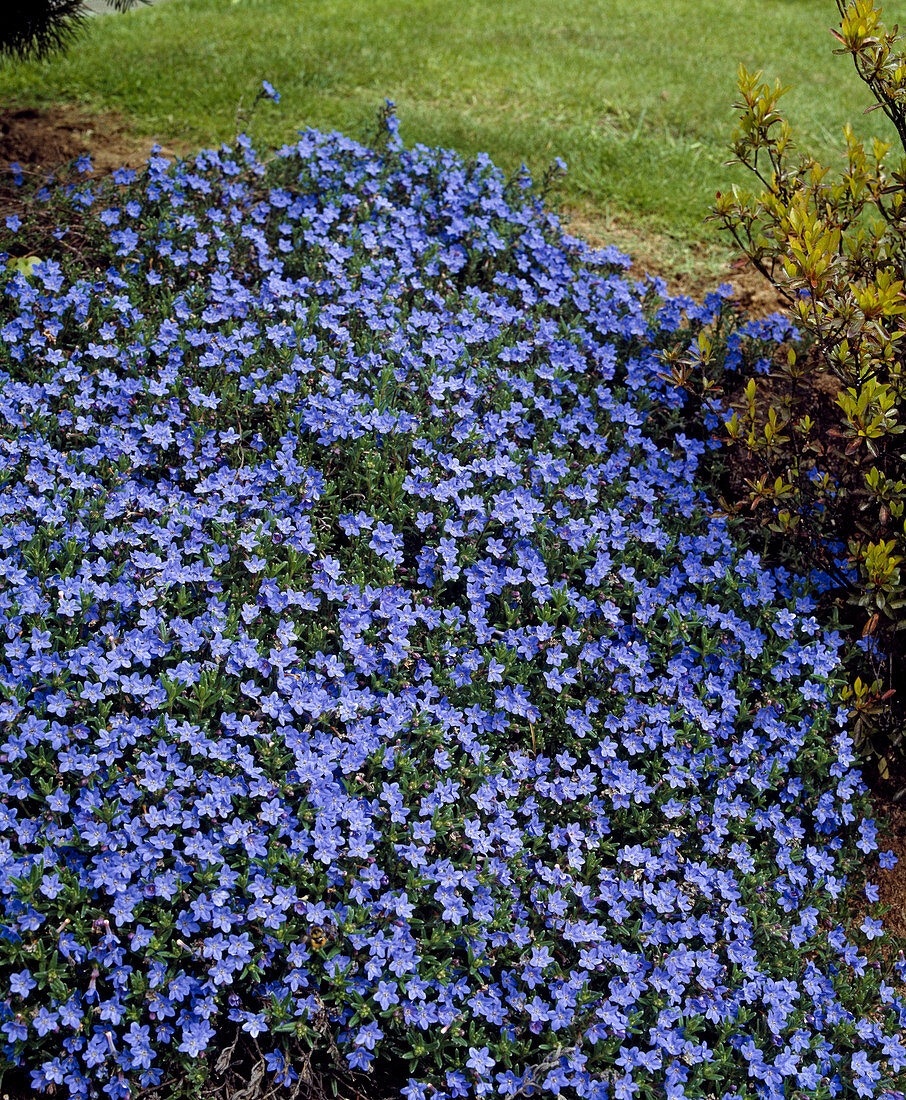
<point>659,255</point>
<point>751,289</point>
<point>892,883</point>
<point>42,140</point>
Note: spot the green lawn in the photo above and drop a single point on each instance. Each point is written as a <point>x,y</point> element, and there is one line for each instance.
<point>636,97</point>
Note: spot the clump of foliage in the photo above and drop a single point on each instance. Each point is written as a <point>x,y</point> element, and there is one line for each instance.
<point>821,434</point>
<point>35,29</point>
<point>375,689</point>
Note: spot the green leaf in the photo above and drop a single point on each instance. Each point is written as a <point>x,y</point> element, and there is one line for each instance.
<point>25,265</point>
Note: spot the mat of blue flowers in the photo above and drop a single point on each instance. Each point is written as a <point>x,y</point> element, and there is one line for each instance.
<point>375,676</point>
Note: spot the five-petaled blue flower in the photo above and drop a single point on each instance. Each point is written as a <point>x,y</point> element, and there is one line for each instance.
<point>480,1060</point>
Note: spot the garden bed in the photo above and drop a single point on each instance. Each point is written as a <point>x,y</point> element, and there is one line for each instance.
<point>381,693</point>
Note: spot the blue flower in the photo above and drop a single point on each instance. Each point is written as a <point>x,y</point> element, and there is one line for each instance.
<point>358,1058</point>
<point>479,1060</point>
<point>22,983</point>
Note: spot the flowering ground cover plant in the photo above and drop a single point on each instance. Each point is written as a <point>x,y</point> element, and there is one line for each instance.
<point>376,687</point>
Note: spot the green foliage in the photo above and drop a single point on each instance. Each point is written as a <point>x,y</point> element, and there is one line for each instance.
<point>36,30</point>
<point>820,437</point>
<point>25,264</point>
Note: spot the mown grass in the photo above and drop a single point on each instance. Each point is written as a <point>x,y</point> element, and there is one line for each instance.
<point>636,98</point>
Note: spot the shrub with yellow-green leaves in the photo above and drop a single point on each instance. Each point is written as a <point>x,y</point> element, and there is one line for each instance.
<point>820,437</point>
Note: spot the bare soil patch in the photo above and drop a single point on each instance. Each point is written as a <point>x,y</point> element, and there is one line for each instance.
<point>42,139</point>
<point>695,272</point>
